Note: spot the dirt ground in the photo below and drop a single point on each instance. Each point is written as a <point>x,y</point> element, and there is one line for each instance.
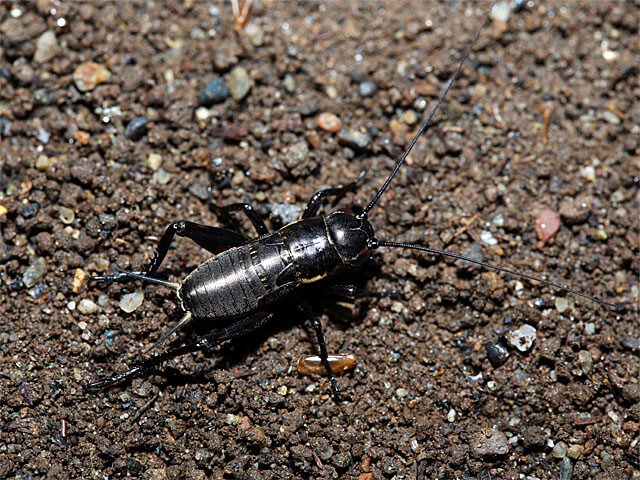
<point>543,117</point>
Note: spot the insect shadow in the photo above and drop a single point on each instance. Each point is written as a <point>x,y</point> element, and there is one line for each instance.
<point>240,288</point>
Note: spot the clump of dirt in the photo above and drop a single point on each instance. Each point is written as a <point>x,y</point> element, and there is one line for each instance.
<point>115,118</point>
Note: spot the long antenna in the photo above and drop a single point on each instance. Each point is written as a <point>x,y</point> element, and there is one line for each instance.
<point>375,244</point>
<point>428,119</point>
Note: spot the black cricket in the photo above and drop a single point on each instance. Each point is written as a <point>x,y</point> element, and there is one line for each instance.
<point>246,277</point>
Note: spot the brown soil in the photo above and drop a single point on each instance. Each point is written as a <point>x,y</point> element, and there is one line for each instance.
<point>424,400</point>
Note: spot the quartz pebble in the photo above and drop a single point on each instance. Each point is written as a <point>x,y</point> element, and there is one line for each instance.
<point>522,338</point>
<point>367,89</point>
<point>34,272</point>
<point>585,360</point>
<point>289,83</point>
<point>559,450</point>
<point>67,216</point>
<point>46,47</point>
<point>239,83</point>
<point>87,307</point>
<point>562,305</point>
<point>131,301</point>
<point>588,173</point>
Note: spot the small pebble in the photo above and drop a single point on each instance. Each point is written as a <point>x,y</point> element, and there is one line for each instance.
<point>71,305</point>
<point>89,75</point>
<point>488,238</point>
<point>131,301</point>
<point>451,416</point>
<point>489,443</point>
<point>82,325</point>
<point>67,216</point>
<point>3,211</point>
<point>203,113</point>
<point>574,451</point>
<point>585,360</point>
<point>522,338</point>
<point>239,83</point>
<point>329,122</point>
<point>501,11</point>
<point>216,91</point>
<point>588,173</point>
<point>566,469</point>
<point>282,390</point>
<point>37,291</point>
<point>232,419</point>
<point>367,89</point>
<point>87,307</point>
<point>547,224</point>
<point>576,210</point>
<point>43,135</point>
<point>43,162</point>
<point>410,117</point>
<point>354,139</point>
<point>238,178</point>
<point>103,299</point>
<point>81,137</point>
<point>610,117</point>
<point>255,34</point>
<point>286,213</point>
<point>136,128</point>
<point>590,328</point>
<point>402,392</point>
<point>43,96</point>
<point>331,92</point>
<point>163,177</point>
<point>30,210</point>
<point>80,279</point>
<point>631,392</point>
<point>562,305</point>
<point>34,272</point>
<point>559,450</point>
<point>46,47</point>
<point>154,161</point>
<point>497,352</point>
<point>289,83</point>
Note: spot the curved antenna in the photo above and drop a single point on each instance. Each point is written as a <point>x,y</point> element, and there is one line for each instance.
<point>375,244</point>
<point>428,119</point>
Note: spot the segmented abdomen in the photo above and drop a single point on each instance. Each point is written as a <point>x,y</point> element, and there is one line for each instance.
<point>226,285</point>
<point>240,280</point>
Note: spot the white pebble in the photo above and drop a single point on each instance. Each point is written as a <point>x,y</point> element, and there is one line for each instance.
<point>154,161</point>
<point>451,416</point>
<point>522,338</point>
<point>87,306</point>
<point>131,301</point>
<point>501,11</point>
<point>488,238</point>
<point>202,113</point>
<point>588,173</point>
